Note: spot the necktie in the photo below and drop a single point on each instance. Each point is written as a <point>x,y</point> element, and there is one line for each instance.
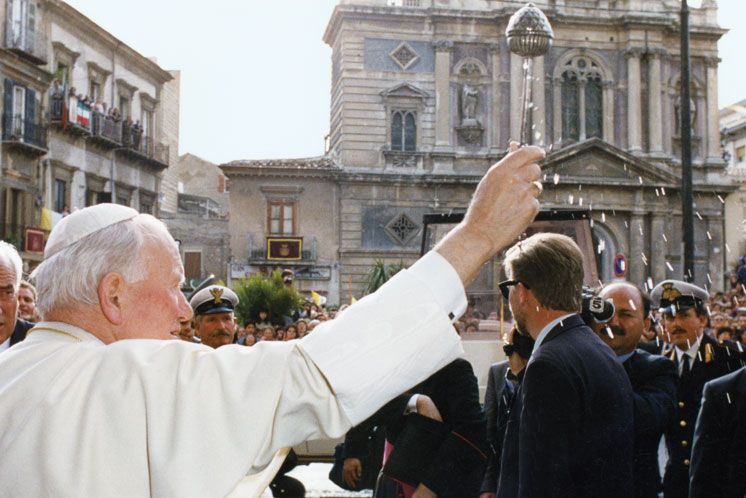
<point>685,368</point>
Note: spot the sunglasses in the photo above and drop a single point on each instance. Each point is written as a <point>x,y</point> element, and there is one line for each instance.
<point>505,285</point>
<point>509,349</point>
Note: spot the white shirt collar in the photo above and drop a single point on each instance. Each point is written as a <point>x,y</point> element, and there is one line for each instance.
<point>59,330</point>
<point>5,345</point>
<point>692,351</point>
<point>547,328</point>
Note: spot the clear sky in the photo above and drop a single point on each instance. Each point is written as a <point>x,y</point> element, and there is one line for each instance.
<point>256,74</point>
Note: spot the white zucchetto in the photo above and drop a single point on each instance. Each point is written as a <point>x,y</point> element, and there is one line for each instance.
<point>84,222</point>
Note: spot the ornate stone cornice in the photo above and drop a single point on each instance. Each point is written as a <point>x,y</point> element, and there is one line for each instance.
<point>443,45</point>
<point>634,52</point>
<point>712,61</point>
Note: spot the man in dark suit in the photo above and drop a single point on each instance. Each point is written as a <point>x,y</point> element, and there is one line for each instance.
<point>12,329</point>
<point>569,430</point>
<point>502,385</point>
<point>718,467</point>
<point>457,466</point>
<point>653,380</point>
<point>698,359</point>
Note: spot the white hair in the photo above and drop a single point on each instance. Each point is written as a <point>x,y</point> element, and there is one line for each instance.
<point>70,278</point>
<point>9,255</point>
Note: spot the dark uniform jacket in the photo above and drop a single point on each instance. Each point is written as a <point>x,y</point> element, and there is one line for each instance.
<point>497,401</point>
<point>718,467</point>
<point>569,430</point>
<point>653,379</point>
<point>712,361</point>
<point>457,469</point>
<point>20,330</point>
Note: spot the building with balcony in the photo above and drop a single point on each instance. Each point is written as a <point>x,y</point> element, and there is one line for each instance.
<point>426,96</point>
<point>733,133</point>
<point>200,221</point>
<point>82,119</point>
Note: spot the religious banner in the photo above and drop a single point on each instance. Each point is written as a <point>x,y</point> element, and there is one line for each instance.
<point>34,241</point>
<point>284,248</point>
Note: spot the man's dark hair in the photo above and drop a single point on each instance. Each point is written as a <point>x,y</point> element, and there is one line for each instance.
<point>551,266</point>
<point>723,330</point>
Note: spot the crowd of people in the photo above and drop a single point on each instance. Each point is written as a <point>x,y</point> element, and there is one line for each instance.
<point>577,411</point>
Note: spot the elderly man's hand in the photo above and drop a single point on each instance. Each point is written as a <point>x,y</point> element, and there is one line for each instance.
<point>352,471</point>
<point>504,204</point>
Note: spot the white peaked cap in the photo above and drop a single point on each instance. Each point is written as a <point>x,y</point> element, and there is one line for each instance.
<point>84,222</point>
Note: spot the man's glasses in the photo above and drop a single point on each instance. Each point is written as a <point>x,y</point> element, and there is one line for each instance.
<point>505,285</point>
<point>508,349</point>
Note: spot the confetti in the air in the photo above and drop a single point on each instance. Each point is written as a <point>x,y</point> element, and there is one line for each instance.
<point>670,268</point>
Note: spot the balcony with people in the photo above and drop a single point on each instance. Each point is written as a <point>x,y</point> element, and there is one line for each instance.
<point>104,125</point>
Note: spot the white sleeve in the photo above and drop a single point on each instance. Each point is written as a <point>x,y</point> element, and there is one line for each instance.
<point>391,340</point>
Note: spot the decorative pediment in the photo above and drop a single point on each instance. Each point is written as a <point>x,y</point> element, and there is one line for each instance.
<point>595,161</point>
<point>405,90</point>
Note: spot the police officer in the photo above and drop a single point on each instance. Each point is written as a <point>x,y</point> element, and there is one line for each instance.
<point>214,321</point>
<point>698,359</point>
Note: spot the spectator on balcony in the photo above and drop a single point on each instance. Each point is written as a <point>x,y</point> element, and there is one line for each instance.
<point>12,328</point>
<point>57,91</point>
<point>136,134</point>
<point>27,302</point>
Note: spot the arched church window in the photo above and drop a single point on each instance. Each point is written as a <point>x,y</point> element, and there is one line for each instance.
<point>582,100</point>
<point>404,131</point>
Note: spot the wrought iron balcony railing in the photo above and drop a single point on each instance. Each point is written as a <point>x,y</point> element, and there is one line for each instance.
<point>18,130</point>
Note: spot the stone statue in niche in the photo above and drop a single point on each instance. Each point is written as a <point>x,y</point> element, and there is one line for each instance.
<point>470,130</point>
<point>469,102</point>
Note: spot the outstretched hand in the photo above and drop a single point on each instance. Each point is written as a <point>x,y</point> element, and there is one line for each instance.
<point>504,204</point>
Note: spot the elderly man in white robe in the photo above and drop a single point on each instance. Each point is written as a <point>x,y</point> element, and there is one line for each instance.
<point>96,403</point>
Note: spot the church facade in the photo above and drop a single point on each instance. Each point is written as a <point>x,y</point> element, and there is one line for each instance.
<point>425,98</point>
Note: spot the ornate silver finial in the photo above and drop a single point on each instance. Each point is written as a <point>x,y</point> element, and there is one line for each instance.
<point>529,32</point>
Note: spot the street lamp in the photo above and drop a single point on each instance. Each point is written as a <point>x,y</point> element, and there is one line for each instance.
<point>687,197</point>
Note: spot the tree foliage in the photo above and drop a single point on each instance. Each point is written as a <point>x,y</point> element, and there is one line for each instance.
<point>380,272</point>
<point>269,293</point>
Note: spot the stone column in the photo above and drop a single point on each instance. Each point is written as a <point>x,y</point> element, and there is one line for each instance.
<point>658,247</point>
<point>634,121</point>
<point>557,108</point>
<point>496,101</point>
<point>516,96</point>
<point>608,102</point>
<point>713,121</point>
<point>715,250</point>
<point>539,111</point>
<point>637,269</point>
<point>655,113</point>
<point>443,93</point>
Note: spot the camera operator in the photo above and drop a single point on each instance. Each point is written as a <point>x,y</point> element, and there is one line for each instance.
<point>653,377</point>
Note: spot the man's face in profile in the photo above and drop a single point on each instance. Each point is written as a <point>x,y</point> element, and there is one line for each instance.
<point>8,299</point>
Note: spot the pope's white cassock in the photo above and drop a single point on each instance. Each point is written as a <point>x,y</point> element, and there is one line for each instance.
<point>140,418</point>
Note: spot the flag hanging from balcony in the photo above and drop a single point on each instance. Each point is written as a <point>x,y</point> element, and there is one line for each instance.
<point>285,248</point>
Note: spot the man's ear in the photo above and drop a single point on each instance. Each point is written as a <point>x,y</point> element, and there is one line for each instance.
<point>110,292</point>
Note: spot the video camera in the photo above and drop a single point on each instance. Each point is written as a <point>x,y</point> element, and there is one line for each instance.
<point>595,309</point>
